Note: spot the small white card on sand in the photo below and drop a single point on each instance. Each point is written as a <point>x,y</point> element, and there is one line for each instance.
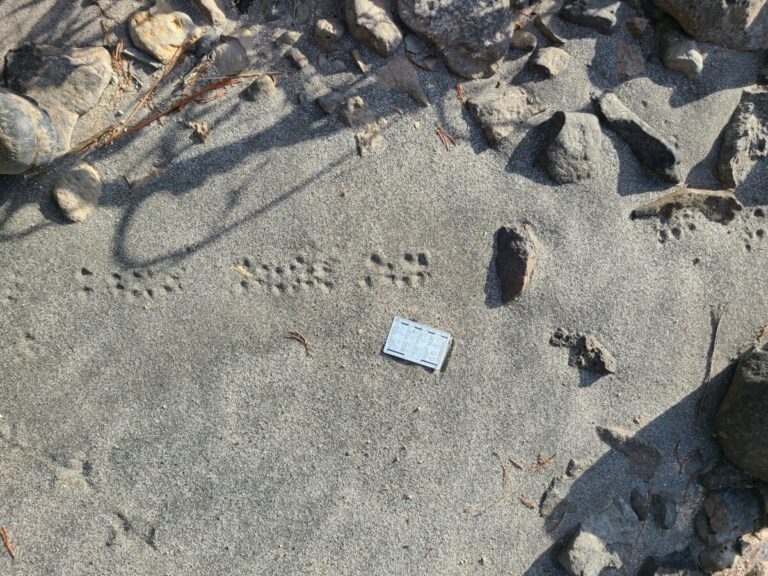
<point>417,343</point>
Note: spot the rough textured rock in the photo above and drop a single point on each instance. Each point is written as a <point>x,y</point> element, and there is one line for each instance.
<point>212,10</point>
<point>230,57</point>
<point>297,58</point>
<point>664,510</point>
<point>65,82</point>
<point>27,136</point>
<point>473,49</point>
<point>637,25</point>
<point>547,25</point>
<point>630,61</point>
<point>742,419</point>
<point>356,114</point>
<point>745,139</point>
<point>584,13</point>
<point>649,146</point>
<point>330,102</point>
<point>500,108</point>
<point>370,23</point>
<point>259,88</point>
<point>288,38</point>
<point>741,25</point>
<point>161,33</point>
<point>586,352</point>
<point>77,193</point>
<point>643,458</point>
<point>573,148</point>
<point>732,512</point>
<point>522,40</point>
<point>681,54</point>
<point>551,60</point>
<point>717,205</point>
<point>400,74</point>
<point>601,541</point>
<point>328,34</point>
<point>517,252</point>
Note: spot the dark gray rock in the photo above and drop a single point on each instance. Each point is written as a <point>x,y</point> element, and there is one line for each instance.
<point>522,40</point>
<point>745,139</point>
<point>640,502</point>
<point>741,25</point>
<point>678,563</point>
<point>630,61</point>
<point>573,148</point>
<point>732,512</point>
<point>742,419</point>
<point>400,74</point>
<point>471,36</point>
<point>648,145</point>
<point>551,60</point>
<point>27,136</point>
<point>602,541</point>
<point>500,108</point>
<point>664,510</point>
<point>717,205</point>
<point>65,82</point>
<point>370,23</point>
<point>644,459</point>
<point>261,87</point>
<point>585,13</point>
<point>718,557</point>
<point>762,77</point>
<point>517,252</point>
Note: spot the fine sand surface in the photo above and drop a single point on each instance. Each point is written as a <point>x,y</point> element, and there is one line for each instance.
<point>183,433</point>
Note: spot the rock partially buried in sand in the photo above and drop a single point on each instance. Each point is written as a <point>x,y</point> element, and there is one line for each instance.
<point>601,542</point>
<point>400,74</point>
<point>27,136</point>
<point>263,86</point>
<point>471,36</point>
<point>586,352</point>
<point>78,191</point>
<point>630,61</point>
<point>546,25</point>
<point>328,34</point>
<point>65,82</point>
<point>742,419</point>
<point>644,459</point>
<point>582,13</point>
<point>500,108</point>
<point>230,57</point>
<point>681,54</point>
<point>370,23</point>
<point>745,139</point>
<point>161,33</point>
<point>551,60</point>
<point>212,11</point>
<point>517,252</point>
<point>649,146</point>
<point>717,205</point>
<point>741,25</point>
<point>573,148</point>
<point>522,40</point>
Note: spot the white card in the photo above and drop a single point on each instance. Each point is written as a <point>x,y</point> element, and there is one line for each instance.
<point>417,343</point>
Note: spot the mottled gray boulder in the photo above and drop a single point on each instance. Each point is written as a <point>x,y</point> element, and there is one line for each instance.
<point>471,36</point>
<point>27,136</point>
<point>574,145</point>
<point>590,14</point>
<point>742,419</point>
<point>500,109</point>
<point>602,541</point>
<point>745,139</point>
<point>682,54</point>
<point>370,23</point>
<point>517,252</point>
<point>653,151</point>
<point>741,25</point>
<point>65,82</point>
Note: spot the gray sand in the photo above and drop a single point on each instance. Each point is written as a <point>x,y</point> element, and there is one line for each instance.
<point>184,434</point>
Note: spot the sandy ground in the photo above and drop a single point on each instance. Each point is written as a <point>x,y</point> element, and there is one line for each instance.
<point>184,434</point>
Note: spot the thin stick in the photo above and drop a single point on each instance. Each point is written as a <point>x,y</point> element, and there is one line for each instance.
<point>527,503</point>
<point>542,462</point>
<point>716,318</point>
<point>7,542</point>
<point>515,463</point>
<point>299,337</point>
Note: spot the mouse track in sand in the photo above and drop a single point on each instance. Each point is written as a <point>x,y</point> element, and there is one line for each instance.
<point>299,275</point>
<point>410,271</point>
<point>10,289</point>
<point>139,285</point>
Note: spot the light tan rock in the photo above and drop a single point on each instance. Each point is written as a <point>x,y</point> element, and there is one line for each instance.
<point>162,33</point>
<point>78,192</point>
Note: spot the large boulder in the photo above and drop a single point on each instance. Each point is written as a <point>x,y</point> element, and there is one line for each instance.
<point>740,25</point>
<point>471,36</point>
<point>742,419</point>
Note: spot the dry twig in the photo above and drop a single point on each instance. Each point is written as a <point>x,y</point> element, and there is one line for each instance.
<point>445,138</point>
<point>542,462</point>
<point>7,542</point>
<point>515,463</point>
<point>240,269</point>
<point>299,337</point>
<point>460,93</point>
<point>527,503</point>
